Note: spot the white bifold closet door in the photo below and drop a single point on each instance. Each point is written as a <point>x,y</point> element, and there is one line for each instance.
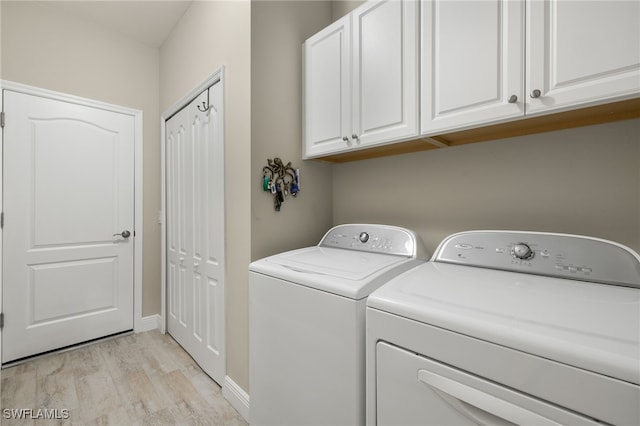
<point>195,230</point>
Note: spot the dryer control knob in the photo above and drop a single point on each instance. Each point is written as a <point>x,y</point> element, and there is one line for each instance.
<point>522,251</point>
<point>363,237</point>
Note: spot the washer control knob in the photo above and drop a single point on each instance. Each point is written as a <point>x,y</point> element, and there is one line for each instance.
<point>522,251</point>
<point>363,237</point>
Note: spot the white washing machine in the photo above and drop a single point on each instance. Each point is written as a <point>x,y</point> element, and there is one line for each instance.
<point>508,328</point>
<point>307,323</point>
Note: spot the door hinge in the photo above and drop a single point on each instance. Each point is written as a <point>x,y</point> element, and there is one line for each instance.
<point>2,119</point>
<point>1,321</point>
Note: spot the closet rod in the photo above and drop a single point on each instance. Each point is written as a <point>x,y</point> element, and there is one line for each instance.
<point>191,99</point>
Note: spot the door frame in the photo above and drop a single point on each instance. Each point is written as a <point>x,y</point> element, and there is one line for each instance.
<point>139,324</point>
<point>216,78</point>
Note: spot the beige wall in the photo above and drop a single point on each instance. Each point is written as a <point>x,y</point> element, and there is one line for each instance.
<point>582,181</point>
<point>278,29</point>
<point>341,8</point>
<point>209,35</point>
<point>43,46</point>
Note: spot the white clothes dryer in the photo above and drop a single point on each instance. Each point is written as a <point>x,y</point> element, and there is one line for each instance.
<point>506,328</point>
<point>307,323</point>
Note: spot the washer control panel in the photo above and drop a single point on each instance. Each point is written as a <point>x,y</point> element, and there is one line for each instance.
<point>558,255</point>
<point>375,238</point>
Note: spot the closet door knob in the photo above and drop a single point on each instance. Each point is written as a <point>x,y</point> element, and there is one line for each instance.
<point>536,93</point>
<point>513,99</point>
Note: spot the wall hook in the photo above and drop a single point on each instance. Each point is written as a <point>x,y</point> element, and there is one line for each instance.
<point>204,108</point>
<point>205,105</point>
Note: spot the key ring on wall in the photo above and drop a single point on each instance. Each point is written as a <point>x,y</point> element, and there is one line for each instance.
<point>281,180</point>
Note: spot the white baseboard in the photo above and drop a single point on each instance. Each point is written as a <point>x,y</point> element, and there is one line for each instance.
<point>147,323</point>
<point>236,396</point>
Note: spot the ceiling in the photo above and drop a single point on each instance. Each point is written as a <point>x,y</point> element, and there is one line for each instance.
<point>147,21</point>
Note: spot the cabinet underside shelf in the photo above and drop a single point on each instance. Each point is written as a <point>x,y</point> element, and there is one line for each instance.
<point>616,111</point>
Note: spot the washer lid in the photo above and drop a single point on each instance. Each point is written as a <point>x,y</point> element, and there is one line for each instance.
<point>588,325</point>
<point>348,273</point>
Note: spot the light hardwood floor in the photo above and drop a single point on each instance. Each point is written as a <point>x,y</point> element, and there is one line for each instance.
<point>136,379</point>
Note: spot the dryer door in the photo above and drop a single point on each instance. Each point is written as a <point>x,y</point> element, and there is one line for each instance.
<point>413,390</point>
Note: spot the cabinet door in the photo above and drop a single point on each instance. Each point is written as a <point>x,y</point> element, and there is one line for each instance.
<point>327,90</point>
<point>472,63</point>
<point>385,71</point>
<point>581,53</point>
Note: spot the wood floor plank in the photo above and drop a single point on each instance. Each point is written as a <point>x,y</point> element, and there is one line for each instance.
<point>19,390</point>
<point>137,379</point>
<point>97,394</point>
<point>86,360</point>
<point>57,390</point>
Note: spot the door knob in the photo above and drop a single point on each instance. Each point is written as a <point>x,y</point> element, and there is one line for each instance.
<point>535,94</point>
<point>513,99</point>
<point>124,234</point>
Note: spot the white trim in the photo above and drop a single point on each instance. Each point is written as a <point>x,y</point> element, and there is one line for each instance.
<point>236,396</point>
<point>151,322</point>
<point>138,323</point>
<point>1,203</point>
<point>51,94</point>
<point>138,223</point>
<point>193,93</point>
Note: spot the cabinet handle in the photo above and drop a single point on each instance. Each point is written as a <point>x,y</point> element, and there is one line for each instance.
<point>354,136</point>
<point>513,99</point>
<point>346,139</point>
<point>536,94</point>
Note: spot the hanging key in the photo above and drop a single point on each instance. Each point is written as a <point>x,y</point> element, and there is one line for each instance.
<point>279,193</point>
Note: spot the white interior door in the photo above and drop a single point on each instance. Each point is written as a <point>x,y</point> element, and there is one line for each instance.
<point>68,188</point>
<point>195,230</point>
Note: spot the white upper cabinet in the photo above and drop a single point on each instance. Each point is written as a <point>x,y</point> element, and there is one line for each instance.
<point>361,79</point>
<point>327,89</point>
<point>385,71</point>
<point>472,62</point>
<point>581,53</point>
<point>484,63</point>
